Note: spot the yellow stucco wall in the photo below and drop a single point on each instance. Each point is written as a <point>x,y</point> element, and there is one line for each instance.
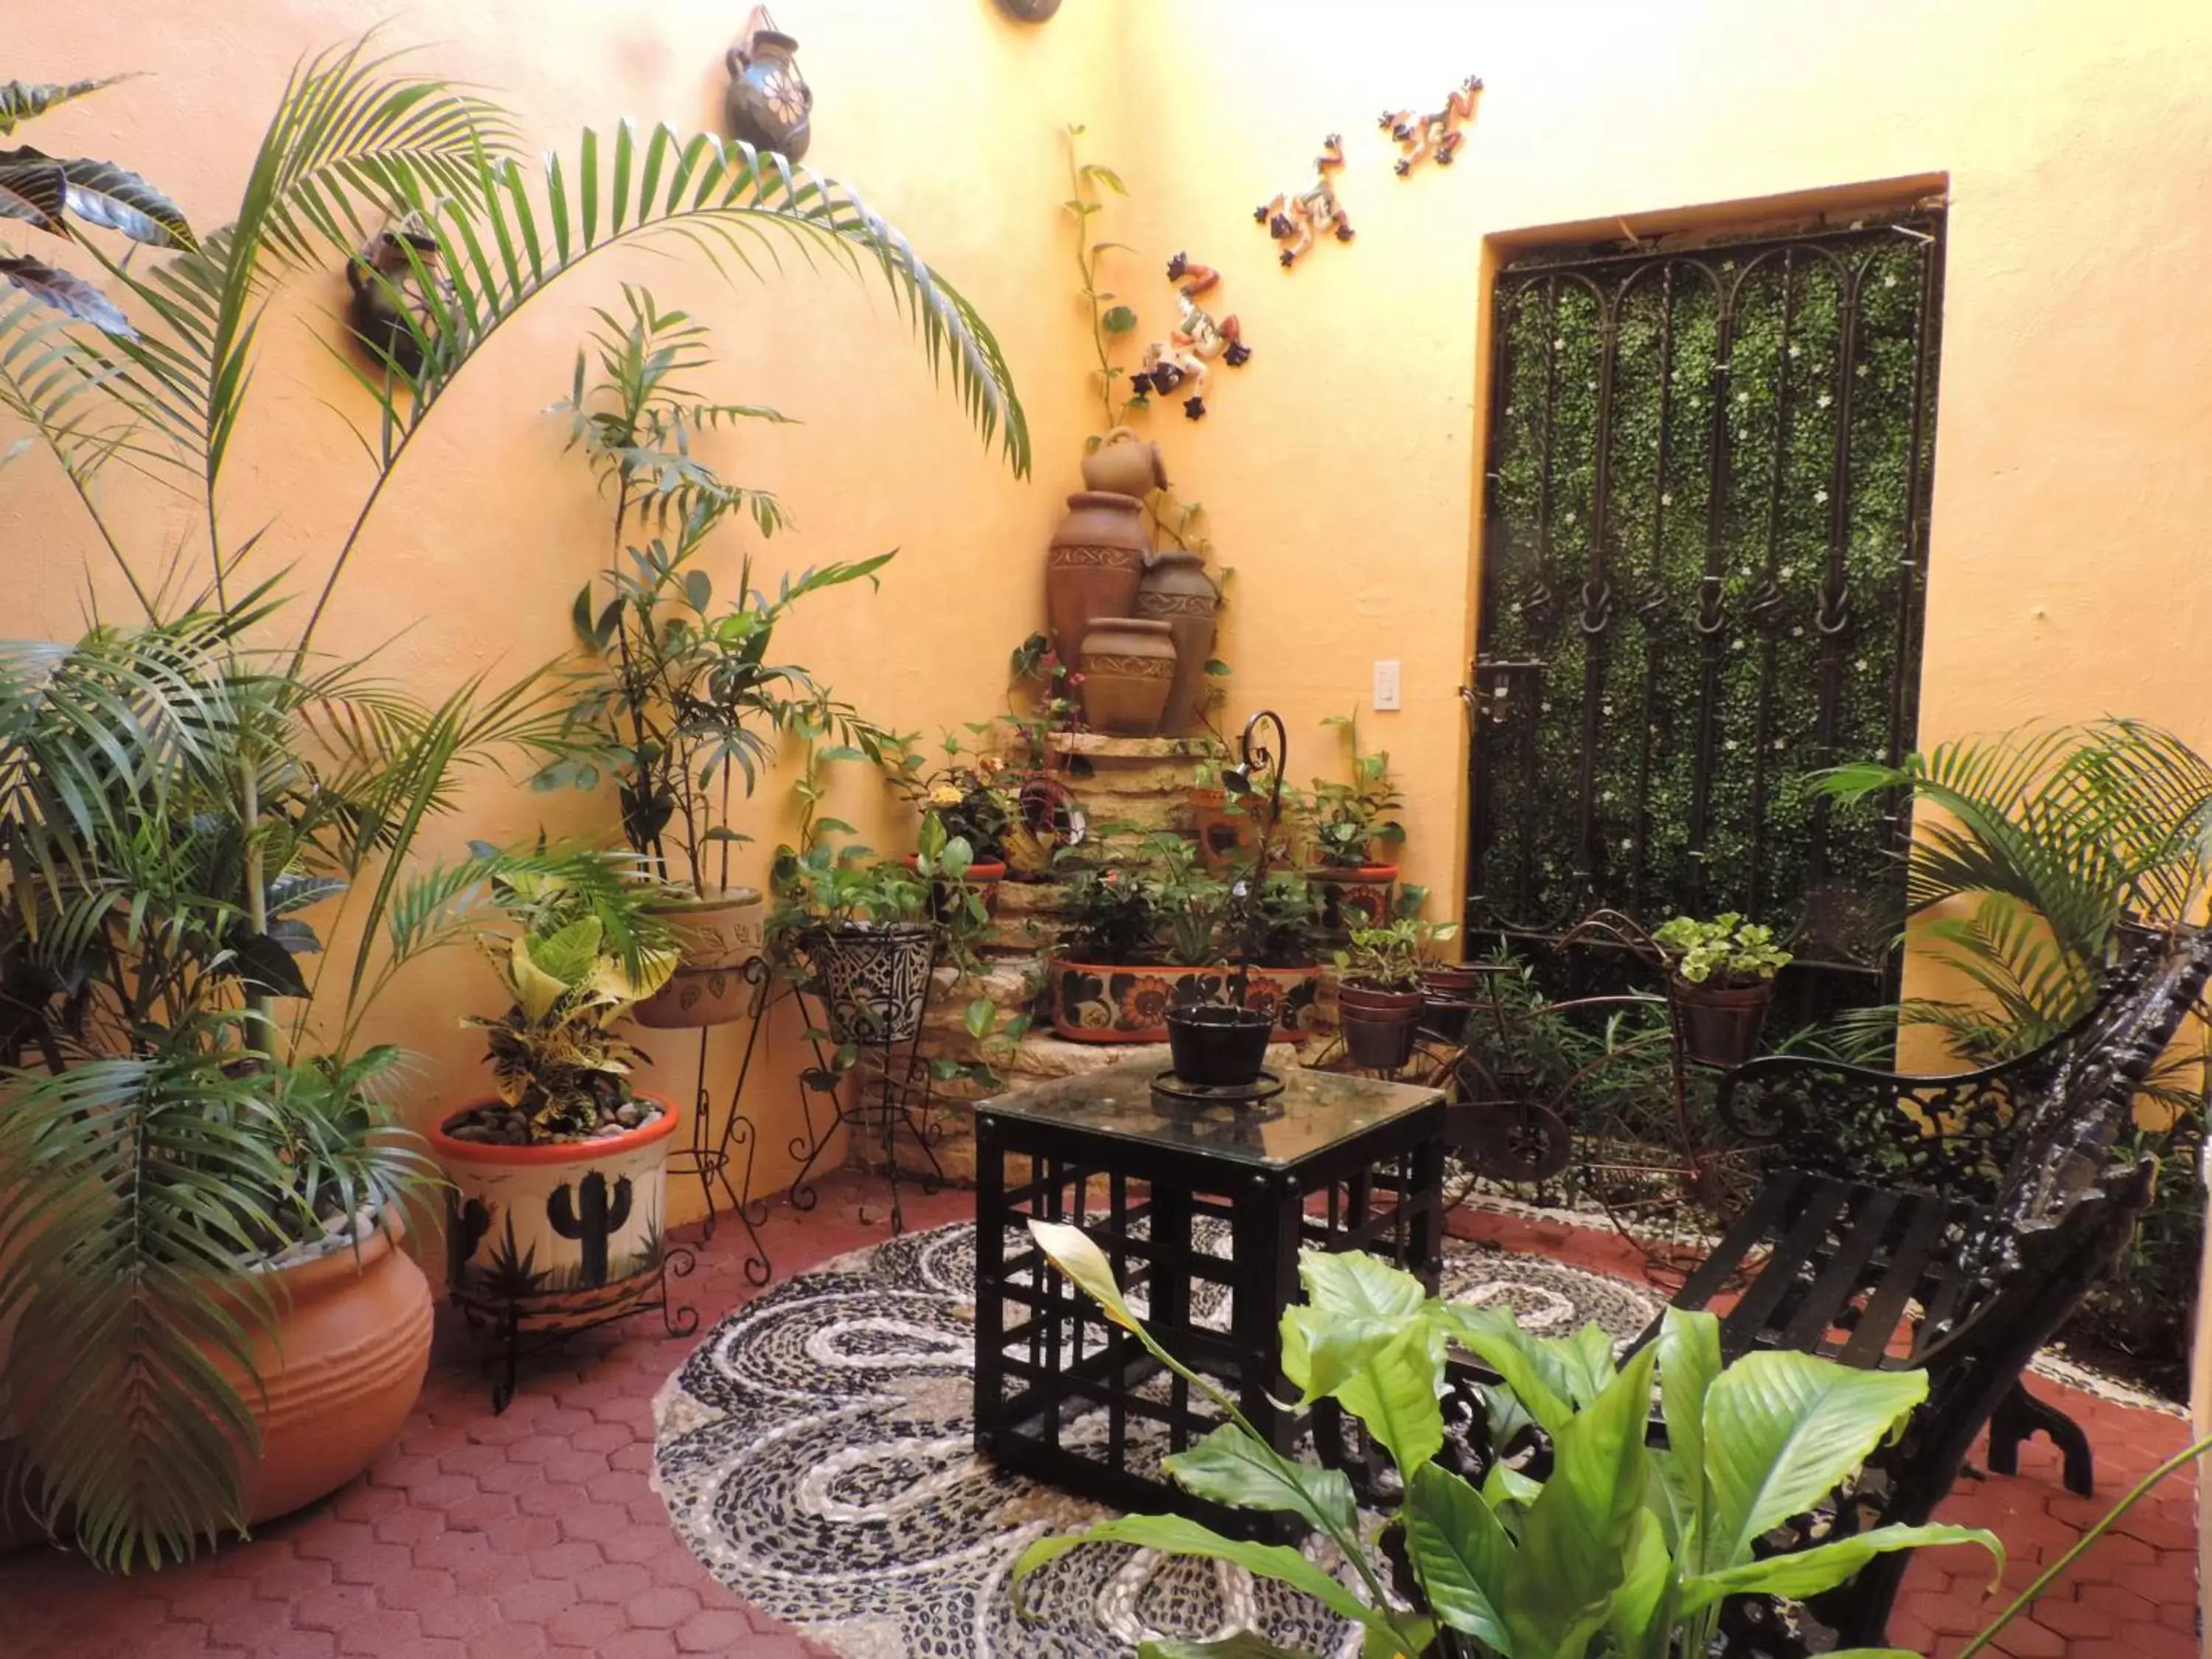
<point>1340,467</point>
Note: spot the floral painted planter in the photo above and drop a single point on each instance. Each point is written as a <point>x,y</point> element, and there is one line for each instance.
<point>547,1228</point>
<point>1353,897</point>
<point>716,937</point>
<point>1099,1002</point>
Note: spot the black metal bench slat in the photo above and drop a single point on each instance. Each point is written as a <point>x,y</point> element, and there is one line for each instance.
<point>1903,1275</point>
<point>1873,1211</point>
<point>1750,1230</point>
<point>1743,1325</point>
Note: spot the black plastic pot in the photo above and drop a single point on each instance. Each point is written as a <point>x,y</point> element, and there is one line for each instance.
<point>1218,1046</point>
<point>1379,1026</point>
<point>1721,1023</point>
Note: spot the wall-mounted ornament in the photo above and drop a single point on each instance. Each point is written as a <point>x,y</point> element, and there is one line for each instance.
<point>1194,343</point>
<point>1437,136</point>
<point>1297,216</point>
<point>393,279</point>
<point>769,105</point>
<point>1029,11</point>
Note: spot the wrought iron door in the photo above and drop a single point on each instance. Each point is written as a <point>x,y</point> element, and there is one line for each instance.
<point>1704,560</point>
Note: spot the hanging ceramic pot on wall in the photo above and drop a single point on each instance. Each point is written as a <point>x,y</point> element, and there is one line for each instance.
<point>768,104</point>
<point>1128,670</point>
<point>1096,561</point>
<point>1177,590</point>
<point>1126,464</point>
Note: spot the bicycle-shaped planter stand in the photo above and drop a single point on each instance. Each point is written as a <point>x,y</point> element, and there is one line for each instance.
<point>1507,1126</point>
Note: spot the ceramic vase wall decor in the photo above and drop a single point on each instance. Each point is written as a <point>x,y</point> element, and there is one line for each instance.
<point>400,289</point>
<point>1296,218</point>
<point>1177,590</point>
<point>1125,465</point>
<point>550,1225</point>
<point>1129,674</point>
<point>768,104</point>
<point>715,938</point>
<point>1093,566</point>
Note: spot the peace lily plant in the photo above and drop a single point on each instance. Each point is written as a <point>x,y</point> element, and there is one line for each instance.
<point>1625,1549</point>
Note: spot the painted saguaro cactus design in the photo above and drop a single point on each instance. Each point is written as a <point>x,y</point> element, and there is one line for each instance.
<point>466,1224</point>
<point>585,1213</point>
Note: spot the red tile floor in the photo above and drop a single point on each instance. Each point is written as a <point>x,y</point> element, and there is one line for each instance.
<point>536,1532</point>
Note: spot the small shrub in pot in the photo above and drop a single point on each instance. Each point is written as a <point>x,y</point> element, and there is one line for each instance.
<point>1380,998</point>
<point>1723,983</point>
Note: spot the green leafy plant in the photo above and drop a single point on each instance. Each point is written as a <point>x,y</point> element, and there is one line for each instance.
<point>59,193</point>
<point>1189,906</point>
<point>1111,321</point>
<point>1622,1549</point>
<point>682,699</point>
<point>587,951</point>
<point>1391,958</point>
<point>1346,821</point>
<point>972,790</point>
<point>1726,951</point>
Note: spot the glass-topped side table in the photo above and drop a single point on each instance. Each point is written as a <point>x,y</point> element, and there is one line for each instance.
<point>1202,1211</point>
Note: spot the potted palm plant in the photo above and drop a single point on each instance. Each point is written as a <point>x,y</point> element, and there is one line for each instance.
<point>1379,994</point>
<point>681,701</point>
<point>558,1181</point>
<point>1722,974</point>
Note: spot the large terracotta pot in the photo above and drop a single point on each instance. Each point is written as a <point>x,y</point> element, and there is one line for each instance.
<point>1096,560</point>
<point>1128,673</point>
<point>874,980</point>
<point>550,1226</point>
<point>1093,1002</point>
<point>717,936</point>
<point>340,1374</point>
<point>1177,590</point>
<point>1126,464</point>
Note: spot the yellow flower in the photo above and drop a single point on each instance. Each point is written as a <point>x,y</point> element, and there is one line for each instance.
<point>946,794</point>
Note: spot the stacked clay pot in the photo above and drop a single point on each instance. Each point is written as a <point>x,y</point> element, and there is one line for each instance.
<point>1177,591</point>
<point>1128,675</point>
<point>1096,561</point>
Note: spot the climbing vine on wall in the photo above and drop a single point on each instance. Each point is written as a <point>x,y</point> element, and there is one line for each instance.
<point>1703,568</point>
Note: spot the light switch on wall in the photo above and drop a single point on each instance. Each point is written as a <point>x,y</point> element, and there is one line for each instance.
<point>1386,687</point>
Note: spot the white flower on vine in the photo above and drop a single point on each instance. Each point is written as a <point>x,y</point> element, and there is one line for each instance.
<point>1728,743</point>
<point>1736,645</point>
<point>1824,400</point>
<point>1793,349</point>
<point>1861,371</point>
<point>1626,845</point>
<point>1607,710</point>
<point>1821,497</point>
<point>1559,344</point>
<point>1860,664</point>
<point>1778,743</point>
<point>1797,633</point>
<point>1785,571</point>
<point>1544,707</point>
<point>1743,397</point>
<point>1889,279</point>
<point>1666,498</point>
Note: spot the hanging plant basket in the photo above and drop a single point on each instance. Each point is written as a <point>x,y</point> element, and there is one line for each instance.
<point>873,980</point>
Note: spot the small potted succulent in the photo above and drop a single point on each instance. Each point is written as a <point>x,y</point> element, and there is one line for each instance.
<point>1379,998</point>
<point>558,1181</point>
<point>859,930</point>
<point>1354,832</point>
<point>1723,983</point>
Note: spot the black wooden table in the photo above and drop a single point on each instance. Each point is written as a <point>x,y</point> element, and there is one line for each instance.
<point>1202,1211</point>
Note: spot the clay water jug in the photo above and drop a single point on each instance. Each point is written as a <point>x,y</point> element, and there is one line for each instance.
<point>1128,670</point>
<point>1092,568</point>
<point>1177,590</point>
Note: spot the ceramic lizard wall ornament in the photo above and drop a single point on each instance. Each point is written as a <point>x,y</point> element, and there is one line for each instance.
<point>1195,342</point>
<point>1421,137</point>
<point>1296,218</point>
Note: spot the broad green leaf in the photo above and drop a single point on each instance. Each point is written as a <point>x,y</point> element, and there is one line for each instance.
<point>1644,1617</point>
<point>1395,1393</point>
<point>1575,1541</point>
<point>1119,320</point>
<point>1230,1467</point>
<point>1070,1250</point>
<point>1175,1535</point>
<point>1459,1552</point>
<point>21,100</point>
<point>1530,1370</point>
<point>1689,1360</point>
<point>1809,1571</point>
<point>1354,1283</point>
<point>69,294</point>
<point>101,193</point>
<point>1244,1644</point>
<point>33,188</point>
<point>1781,1430</point>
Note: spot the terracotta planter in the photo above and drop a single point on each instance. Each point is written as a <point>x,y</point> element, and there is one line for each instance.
<point>873,981</point>
<point>1092,567</point>
<point>1353,897</point>
<point>1721,1023</point>
<point>1379,1026</point>
<point>1125,465</point>
<point>1129,674</point>
<point>1096,1002</point>
<point>549,1226</point>
<point>340,1374</point>
<point>768,104</point>
<point>1177,591</point>
<point>716,936</point>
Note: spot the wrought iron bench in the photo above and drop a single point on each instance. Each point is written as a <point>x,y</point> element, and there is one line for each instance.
<point>1949,1223</point>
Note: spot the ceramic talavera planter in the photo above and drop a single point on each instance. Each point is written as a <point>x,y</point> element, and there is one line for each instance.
<point>1353,897</point>
<point>769,103</point>
<point>873,980</point>
<point>716,937</point>
<point>551,1226</point>
<point>1097,1003</point>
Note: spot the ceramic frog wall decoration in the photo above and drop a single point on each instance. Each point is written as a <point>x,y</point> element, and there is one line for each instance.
<point>1297,216</point>
<point>1437,136</point>
<point>1195,342</point>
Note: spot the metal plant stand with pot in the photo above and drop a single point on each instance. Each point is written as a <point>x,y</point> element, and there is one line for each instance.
<point>900,1085</point>
<point>710,1154</point>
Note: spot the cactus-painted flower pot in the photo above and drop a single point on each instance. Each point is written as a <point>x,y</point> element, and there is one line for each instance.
<point>1096,1003</point>
<point>549,1230</point>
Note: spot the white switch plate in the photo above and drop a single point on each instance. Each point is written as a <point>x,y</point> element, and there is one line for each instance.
<point>1386,687</point>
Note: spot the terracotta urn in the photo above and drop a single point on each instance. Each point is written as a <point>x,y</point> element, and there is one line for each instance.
<point>1092,568</point>
<point>340,1373</point>
<point>1125,465</point>
<point>556,1224</point>
<point>1128,673</point>
<point>768,104</point>
<point>717,935</point>
<point>1177,591</point>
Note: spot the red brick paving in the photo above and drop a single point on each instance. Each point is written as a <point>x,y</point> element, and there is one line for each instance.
<point>538,1533</point>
